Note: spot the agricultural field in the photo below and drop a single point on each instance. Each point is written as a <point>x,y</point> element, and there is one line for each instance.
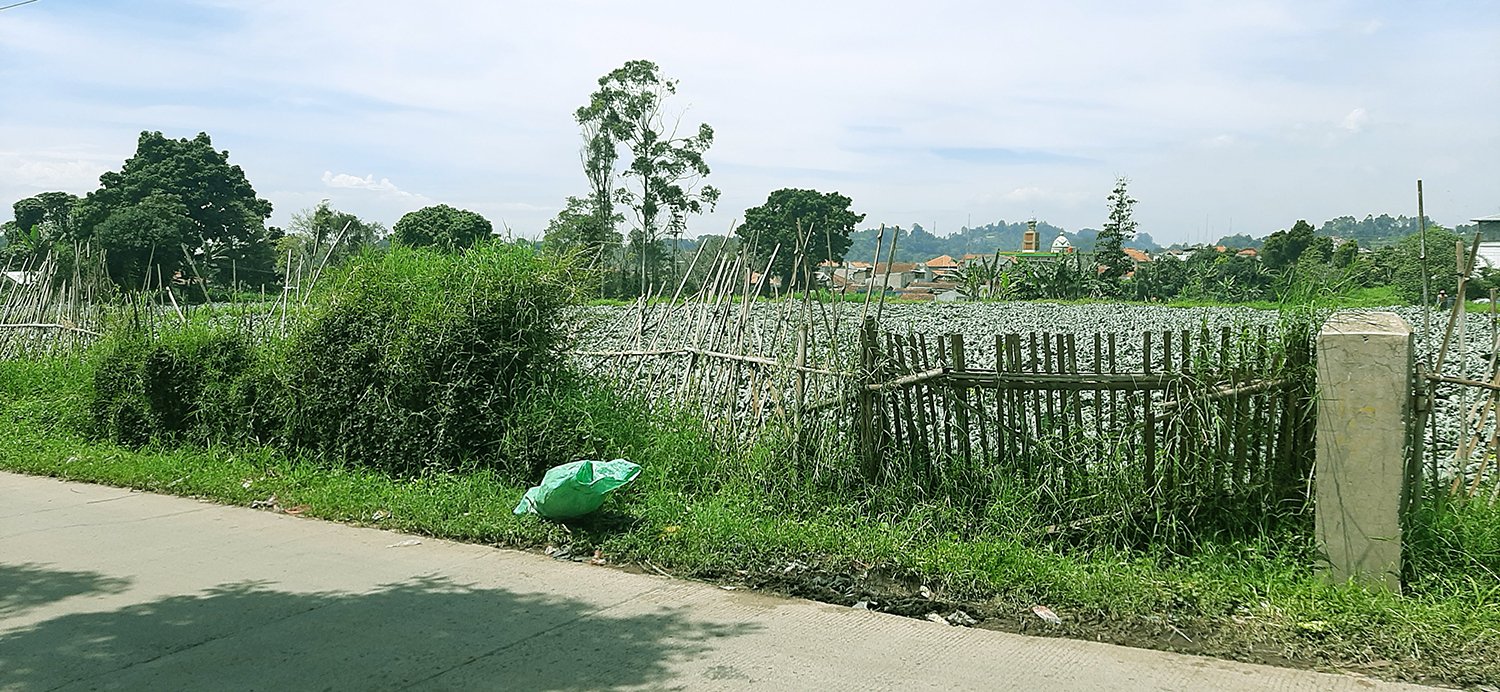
<point>766,329</point>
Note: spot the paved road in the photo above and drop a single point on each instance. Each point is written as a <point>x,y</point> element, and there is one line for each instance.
<point>103,588</point>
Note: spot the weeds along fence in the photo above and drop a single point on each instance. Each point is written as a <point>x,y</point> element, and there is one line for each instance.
<point>1458,454</point>
<point>1204,430</point>
<point>1176,432</point>
<point>1454,441</point>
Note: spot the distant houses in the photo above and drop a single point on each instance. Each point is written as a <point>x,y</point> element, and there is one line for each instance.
<point>946,278</point>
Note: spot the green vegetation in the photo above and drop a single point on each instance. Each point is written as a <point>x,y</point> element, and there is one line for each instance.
<point>323,234</point>
<point>740,518</point>
<point>796,230</point>
<point>423,391</point>
<point>662,179</point>
<point>407,360</point>
<point>442,227</point>
<point>177,202</point>
<point>1109,246</point>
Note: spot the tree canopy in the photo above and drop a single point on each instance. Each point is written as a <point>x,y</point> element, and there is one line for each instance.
<point>442,227</point>
<point>145,240</point>
<point>40,223</point>
<point>323,234</point>
<point>224,221</point>
<point>1284,248</point>
<point>1109,252</point>
<point>664,172</point>
<point>578,228</point>
<point>809,227</point>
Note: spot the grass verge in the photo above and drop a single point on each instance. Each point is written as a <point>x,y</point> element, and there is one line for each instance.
<point>698,514</point>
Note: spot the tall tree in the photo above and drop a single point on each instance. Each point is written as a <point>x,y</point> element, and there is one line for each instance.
<point>1440,266</point>
<point>1347,252</point>
<point>577,228</point>
<point>144,240</point>
<point>1109,246</point>
<point>598,155</point>
<point>40,223</point>
<point>442,227</point>
<point>226,230</point>
<point>1284,248</point>
<point>802,228</point>
<point>663,178</point>
<point>323,232</point>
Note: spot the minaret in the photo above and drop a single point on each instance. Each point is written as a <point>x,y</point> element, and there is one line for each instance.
<point>1028,242</point>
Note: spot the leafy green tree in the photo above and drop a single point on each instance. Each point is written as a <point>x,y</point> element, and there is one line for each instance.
<point>41,222</point>
<point>1372,231</point>
<point>145,240</point>
<point>1109,252</point>
<point>1347,252</point>
<point>1161,280</point>
<point>1441,265</point>
<point>227,235</point>
<point>1240,241</point>
<point>810,227</point>
<point>345,232</point>
<point>442,227</point>
<point>49,215</point>
<point>599,156</point>
<point>1320,250</point>
<point>1284,248</point>
<point>663,178</point>
<point>578,228</point>
<point>323,234</point>
<point>1377,268</point>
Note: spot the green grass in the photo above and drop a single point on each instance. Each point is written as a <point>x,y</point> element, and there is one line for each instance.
<point>698,513</point>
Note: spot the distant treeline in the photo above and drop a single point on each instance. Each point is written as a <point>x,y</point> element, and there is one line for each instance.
<point>917,243</point>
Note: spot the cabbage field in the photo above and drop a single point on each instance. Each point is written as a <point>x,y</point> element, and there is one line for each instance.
<point>768,328</point>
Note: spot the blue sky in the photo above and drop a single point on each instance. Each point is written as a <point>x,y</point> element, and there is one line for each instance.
<point>1226,116</point>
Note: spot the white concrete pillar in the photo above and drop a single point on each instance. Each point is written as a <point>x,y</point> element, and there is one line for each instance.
<point>1364,395</point>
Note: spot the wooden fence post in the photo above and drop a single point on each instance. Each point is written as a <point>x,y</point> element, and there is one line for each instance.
<point>869,447</point>
<point>801,375</point>
<point>961,392</point>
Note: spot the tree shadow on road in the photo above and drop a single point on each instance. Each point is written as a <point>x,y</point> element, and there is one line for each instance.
<point>29,585</point>
<point>423,633</point>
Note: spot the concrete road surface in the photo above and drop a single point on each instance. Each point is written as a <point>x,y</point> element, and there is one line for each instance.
<point>103,588</point>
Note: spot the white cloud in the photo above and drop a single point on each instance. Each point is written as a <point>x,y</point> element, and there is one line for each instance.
<point>353,182</point>
<point>50,172</point>
<point>1032,194</point>
<point>1221,141</point>
<point>1355,120</point>
<point>1184,97</point>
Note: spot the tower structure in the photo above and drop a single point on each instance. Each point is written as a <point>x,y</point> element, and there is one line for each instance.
<point>1028,242</point>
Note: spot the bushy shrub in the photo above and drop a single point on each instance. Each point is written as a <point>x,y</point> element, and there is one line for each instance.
<point>417,359</point>
<point>405,361</point>
<point>179,386</point>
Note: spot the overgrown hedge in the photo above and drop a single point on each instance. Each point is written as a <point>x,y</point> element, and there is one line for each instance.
<point>406,360</point>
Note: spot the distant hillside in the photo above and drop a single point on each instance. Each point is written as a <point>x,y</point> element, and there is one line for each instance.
<point>918,244</point>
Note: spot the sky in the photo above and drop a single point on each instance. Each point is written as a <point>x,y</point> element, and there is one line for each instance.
<point>1226,117</point>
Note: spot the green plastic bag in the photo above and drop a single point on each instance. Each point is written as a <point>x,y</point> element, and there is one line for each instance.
<point>576,488</point>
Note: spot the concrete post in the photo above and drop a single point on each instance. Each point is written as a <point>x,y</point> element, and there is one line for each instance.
<point>1364,393</point>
